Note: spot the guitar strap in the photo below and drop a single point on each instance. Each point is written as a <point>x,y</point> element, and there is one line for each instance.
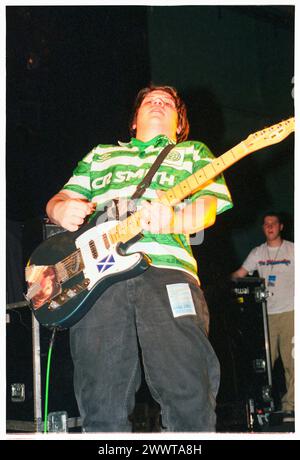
<point>148,178</point>
<point>142,186</point>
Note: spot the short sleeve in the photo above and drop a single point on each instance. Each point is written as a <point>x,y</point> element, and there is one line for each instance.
<point>80,180</point>
<point>250,264</point>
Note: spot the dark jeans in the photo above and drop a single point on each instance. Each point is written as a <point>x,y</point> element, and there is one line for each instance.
<point>181,368</point>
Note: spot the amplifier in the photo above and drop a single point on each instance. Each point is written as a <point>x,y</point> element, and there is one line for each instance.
<point>50,229</point>
<point>248,290</point>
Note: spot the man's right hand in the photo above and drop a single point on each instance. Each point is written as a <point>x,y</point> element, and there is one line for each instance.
<point>72,213</point>
<point>69,211</point>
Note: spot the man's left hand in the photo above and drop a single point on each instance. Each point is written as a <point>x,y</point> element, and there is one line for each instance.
<point>157,217</point>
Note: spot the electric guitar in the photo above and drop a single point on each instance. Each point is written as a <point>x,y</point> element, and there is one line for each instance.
<point>70,270</point>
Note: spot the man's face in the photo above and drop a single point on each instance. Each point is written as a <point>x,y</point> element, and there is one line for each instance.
<point>272,227</point>
<point>159,109</point>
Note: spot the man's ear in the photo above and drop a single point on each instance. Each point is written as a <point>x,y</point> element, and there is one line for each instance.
<point>133,126</point>
<point>178,129</point>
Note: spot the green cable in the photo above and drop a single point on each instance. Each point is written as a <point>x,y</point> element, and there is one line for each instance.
<point>47,379</point>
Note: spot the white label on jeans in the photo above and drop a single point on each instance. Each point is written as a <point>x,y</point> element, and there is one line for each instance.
<point>181,300</point>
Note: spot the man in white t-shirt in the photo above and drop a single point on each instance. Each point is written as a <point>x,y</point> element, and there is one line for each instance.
<point>274,261</point>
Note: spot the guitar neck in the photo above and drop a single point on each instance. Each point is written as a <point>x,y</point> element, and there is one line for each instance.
<point>204,175</point>
<point>130,227</point>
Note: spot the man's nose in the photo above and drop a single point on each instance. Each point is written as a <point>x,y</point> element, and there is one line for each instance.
<point>158,102</point>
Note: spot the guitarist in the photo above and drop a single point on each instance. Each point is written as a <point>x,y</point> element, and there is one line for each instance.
<point>162,311</point>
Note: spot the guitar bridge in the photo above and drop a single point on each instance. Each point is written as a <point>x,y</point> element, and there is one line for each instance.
<point>67,294</point>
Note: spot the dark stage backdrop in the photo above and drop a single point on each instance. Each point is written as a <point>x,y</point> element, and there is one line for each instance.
<point>72,76</point>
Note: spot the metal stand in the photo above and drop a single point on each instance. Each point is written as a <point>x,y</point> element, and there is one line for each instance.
<point>262,417</point>
<point>36,375</point>
<point>20,388</point>
<point>37,387</point>
<point>261,295</point>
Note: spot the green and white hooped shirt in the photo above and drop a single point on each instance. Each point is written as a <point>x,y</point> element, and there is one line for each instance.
<point>114,171</point>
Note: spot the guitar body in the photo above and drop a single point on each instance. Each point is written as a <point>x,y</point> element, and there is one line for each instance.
<point>61,301</point>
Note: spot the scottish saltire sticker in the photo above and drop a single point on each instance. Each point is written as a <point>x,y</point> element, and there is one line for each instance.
<point>181,300</point>
<point>106,263</point>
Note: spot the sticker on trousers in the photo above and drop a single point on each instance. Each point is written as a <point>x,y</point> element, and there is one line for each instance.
<point>181,299</point>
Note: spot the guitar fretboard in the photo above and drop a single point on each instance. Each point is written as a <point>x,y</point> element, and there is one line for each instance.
<point>130,227</point>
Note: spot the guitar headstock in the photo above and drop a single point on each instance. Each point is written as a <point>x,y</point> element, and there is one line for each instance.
<point>271,135</point>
